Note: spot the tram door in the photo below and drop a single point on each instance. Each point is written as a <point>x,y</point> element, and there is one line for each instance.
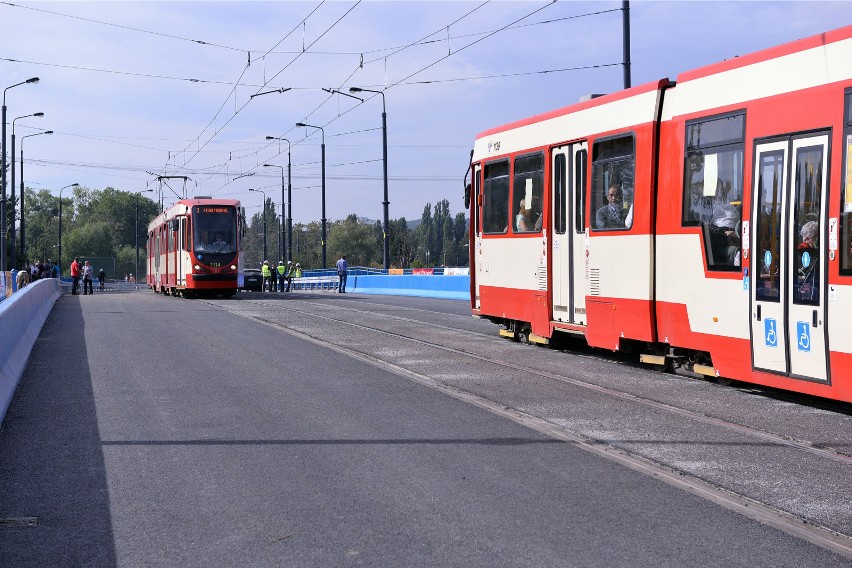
<point>476,231</point>
<point>568,172</point>
<point>180,246</point>
<point>788,260</point>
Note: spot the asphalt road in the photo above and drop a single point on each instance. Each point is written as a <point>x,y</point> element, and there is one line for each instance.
<point>265,431</point>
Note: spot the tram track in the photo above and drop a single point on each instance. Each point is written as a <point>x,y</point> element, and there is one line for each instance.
<point>270,313</point>
<point>803,445</point>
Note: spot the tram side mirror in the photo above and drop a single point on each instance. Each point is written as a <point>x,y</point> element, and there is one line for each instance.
<point>467,196</point>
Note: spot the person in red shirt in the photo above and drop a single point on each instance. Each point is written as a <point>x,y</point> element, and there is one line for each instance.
<point>75,275</point>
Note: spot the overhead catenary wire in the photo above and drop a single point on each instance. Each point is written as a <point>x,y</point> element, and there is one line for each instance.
<point>246,153</point>
<point>327,30</point>
<point>450,54</point>
<point>424,41</point>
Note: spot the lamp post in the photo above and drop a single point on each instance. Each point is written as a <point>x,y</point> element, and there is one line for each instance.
<point>385,203</point>
<point>136,274</point>
<point>281,254</point>
<point>289,239</point>
<point>23,217</point>
<point>3,227</point>
<point>12,197</point>
<point>59,261</point>
<point>302,124</point>
<point>264,221</point>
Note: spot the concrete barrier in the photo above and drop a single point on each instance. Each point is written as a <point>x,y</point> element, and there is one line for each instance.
<point>21,319</point>
<point>426,286</point>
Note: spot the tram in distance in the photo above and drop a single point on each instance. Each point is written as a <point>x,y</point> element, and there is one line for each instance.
<point>704,223</point>
<point>194,248</point>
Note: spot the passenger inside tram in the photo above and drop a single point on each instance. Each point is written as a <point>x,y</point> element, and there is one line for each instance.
<point>807,255</point>
<point>528,217</point>
<point>612,215</point>
<point>725,226</point>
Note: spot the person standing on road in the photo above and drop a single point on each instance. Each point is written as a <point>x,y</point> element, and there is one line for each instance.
<point>267,276</point>
<point>289,277</point>
<point>87,278</point>
<point>101,279</point>
<point>75,275</point>
<point>282,274</point>
<point>342,272</point>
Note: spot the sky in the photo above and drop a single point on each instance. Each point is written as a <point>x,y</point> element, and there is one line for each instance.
<point>137,90</point>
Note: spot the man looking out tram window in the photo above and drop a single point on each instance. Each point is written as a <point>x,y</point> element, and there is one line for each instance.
<point>612,215</point>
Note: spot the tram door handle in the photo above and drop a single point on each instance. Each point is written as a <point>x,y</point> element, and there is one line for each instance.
<point>758,312</point>
<point>815,318</point>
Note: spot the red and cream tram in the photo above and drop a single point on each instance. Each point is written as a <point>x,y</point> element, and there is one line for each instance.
<point>194,248</point>
<point>705,223</point>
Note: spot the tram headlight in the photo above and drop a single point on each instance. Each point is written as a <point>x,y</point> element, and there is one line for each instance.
<point>233,267</point>
<point>197,267</point>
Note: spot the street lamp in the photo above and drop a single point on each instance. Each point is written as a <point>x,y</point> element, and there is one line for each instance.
<point>303,125</point>
<point>12,156</point>
<point>136,274</point>
<point>3,227</point>
<point>59,262</point>
<point>264,221</point>
<point>289,238</point>
<point>385,203</point>
<point>23,219</point>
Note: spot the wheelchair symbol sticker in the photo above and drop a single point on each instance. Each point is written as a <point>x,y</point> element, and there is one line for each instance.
<point>770,333</point>
<point>803,334</point>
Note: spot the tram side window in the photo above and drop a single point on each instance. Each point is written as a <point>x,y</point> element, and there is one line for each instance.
<point>559,194</point>
<point>769,221</point>
<point>187,242</point>
<point>527,189</point>
<point>846,215</point>
<point>495,198</point>
<point>807,185</point>
<point>713,186</point>
<point>613,174</point>
<point>580,191</point>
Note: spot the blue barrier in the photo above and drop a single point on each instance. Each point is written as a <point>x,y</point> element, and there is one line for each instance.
<point>426,286</point>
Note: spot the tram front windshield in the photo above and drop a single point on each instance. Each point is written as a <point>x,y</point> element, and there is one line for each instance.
<point>214,229</point>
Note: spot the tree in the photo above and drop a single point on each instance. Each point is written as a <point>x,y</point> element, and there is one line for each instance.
<point>402,244</point>
<point>439,218</point>
<point>91,239</point>
<point>461,238</point>
<point>425,236</point>
<point>354,239</point>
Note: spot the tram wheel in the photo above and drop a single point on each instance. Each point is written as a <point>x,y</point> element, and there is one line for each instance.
<point>724,381</point>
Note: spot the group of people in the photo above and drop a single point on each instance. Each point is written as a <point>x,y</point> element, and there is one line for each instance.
<point>36,271</point>
<point>86,273</point>
<point>275,279</point>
